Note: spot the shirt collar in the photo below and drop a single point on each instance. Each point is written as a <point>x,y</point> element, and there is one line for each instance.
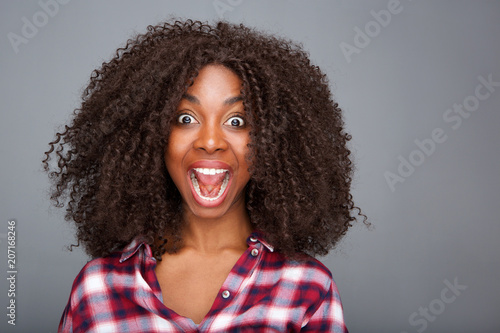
<point>134,246</point>
<point>259,236</point>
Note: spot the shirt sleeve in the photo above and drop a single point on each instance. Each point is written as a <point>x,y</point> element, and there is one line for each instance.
<point>71,317</point>
<point>329,317</point>
<point>66,323</point>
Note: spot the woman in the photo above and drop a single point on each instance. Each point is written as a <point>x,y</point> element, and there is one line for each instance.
<point>203,168</point>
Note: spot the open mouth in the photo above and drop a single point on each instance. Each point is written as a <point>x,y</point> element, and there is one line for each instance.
<point>208,183</point>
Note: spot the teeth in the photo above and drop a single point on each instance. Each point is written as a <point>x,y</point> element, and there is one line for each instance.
<point>206,171</point>
<point>197,186</point>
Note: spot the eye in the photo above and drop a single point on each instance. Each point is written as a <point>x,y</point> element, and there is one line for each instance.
<point>235,122</point>
<point>186,119</point>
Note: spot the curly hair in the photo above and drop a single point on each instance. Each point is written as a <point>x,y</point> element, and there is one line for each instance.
<point>111,174</point>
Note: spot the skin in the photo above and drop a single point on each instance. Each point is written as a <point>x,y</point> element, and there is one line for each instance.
<point>210,130</point>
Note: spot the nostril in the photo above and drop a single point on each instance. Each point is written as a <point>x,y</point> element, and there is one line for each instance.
<point>211,141</point>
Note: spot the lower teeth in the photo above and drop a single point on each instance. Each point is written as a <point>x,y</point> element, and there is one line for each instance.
<point>197,187</point>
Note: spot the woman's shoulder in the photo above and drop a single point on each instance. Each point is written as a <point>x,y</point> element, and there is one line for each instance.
<point>98,266</point>
<point>301,266</point>
<point>120,262</point>
<point>303,279</point>
<point>305,267</point>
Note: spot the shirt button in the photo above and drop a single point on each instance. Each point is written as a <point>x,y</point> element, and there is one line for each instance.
<point>255,252</point>
<point>253,239</point>
<point>225,294</point>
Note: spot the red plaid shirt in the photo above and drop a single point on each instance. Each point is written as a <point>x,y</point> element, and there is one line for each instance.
<point>264,292</point>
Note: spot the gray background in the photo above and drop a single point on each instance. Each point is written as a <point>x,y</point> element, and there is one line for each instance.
<point>440,224</point>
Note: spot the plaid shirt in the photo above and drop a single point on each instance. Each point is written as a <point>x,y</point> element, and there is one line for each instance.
<point>264,292</point>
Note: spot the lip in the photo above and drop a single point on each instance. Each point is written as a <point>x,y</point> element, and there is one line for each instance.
<point>209,164</point>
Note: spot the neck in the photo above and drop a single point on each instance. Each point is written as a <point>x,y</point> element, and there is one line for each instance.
<point>215,235</point>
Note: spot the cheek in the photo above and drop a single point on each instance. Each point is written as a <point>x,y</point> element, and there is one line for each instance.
<point>173,153</point>
<point>242,150</point>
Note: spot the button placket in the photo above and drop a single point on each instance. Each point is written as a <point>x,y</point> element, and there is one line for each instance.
<point>252,261</point>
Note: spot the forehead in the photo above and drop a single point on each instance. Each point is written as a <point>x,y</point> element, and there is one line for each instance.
<point>215,86</point>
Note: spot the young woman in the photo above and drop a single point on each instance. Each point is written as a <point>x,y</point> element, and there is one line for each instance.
<point>204,167</point>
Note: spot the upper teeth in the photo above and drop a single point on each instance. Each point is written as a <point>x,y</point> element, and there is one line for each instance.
<point>206,171</point>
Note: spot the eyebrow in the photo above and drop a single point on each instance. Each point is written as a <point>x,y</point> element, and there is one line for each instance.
<point>233,100</point>
<point>229,101</point>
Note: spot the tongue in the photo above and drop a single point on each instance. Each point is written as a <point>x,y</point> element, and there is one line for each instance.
<point>210,184</point>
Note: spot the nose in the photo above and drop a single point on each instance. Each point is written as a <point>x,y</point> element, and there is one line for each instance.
<point>210,139</point>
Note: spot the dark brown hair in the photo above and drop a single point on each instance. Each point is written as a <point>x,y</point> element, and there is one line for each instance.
<point>110,171</point>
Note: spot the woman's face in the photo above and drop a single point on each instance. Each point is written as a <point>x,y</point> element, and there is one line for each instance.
<point>208,144</point>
